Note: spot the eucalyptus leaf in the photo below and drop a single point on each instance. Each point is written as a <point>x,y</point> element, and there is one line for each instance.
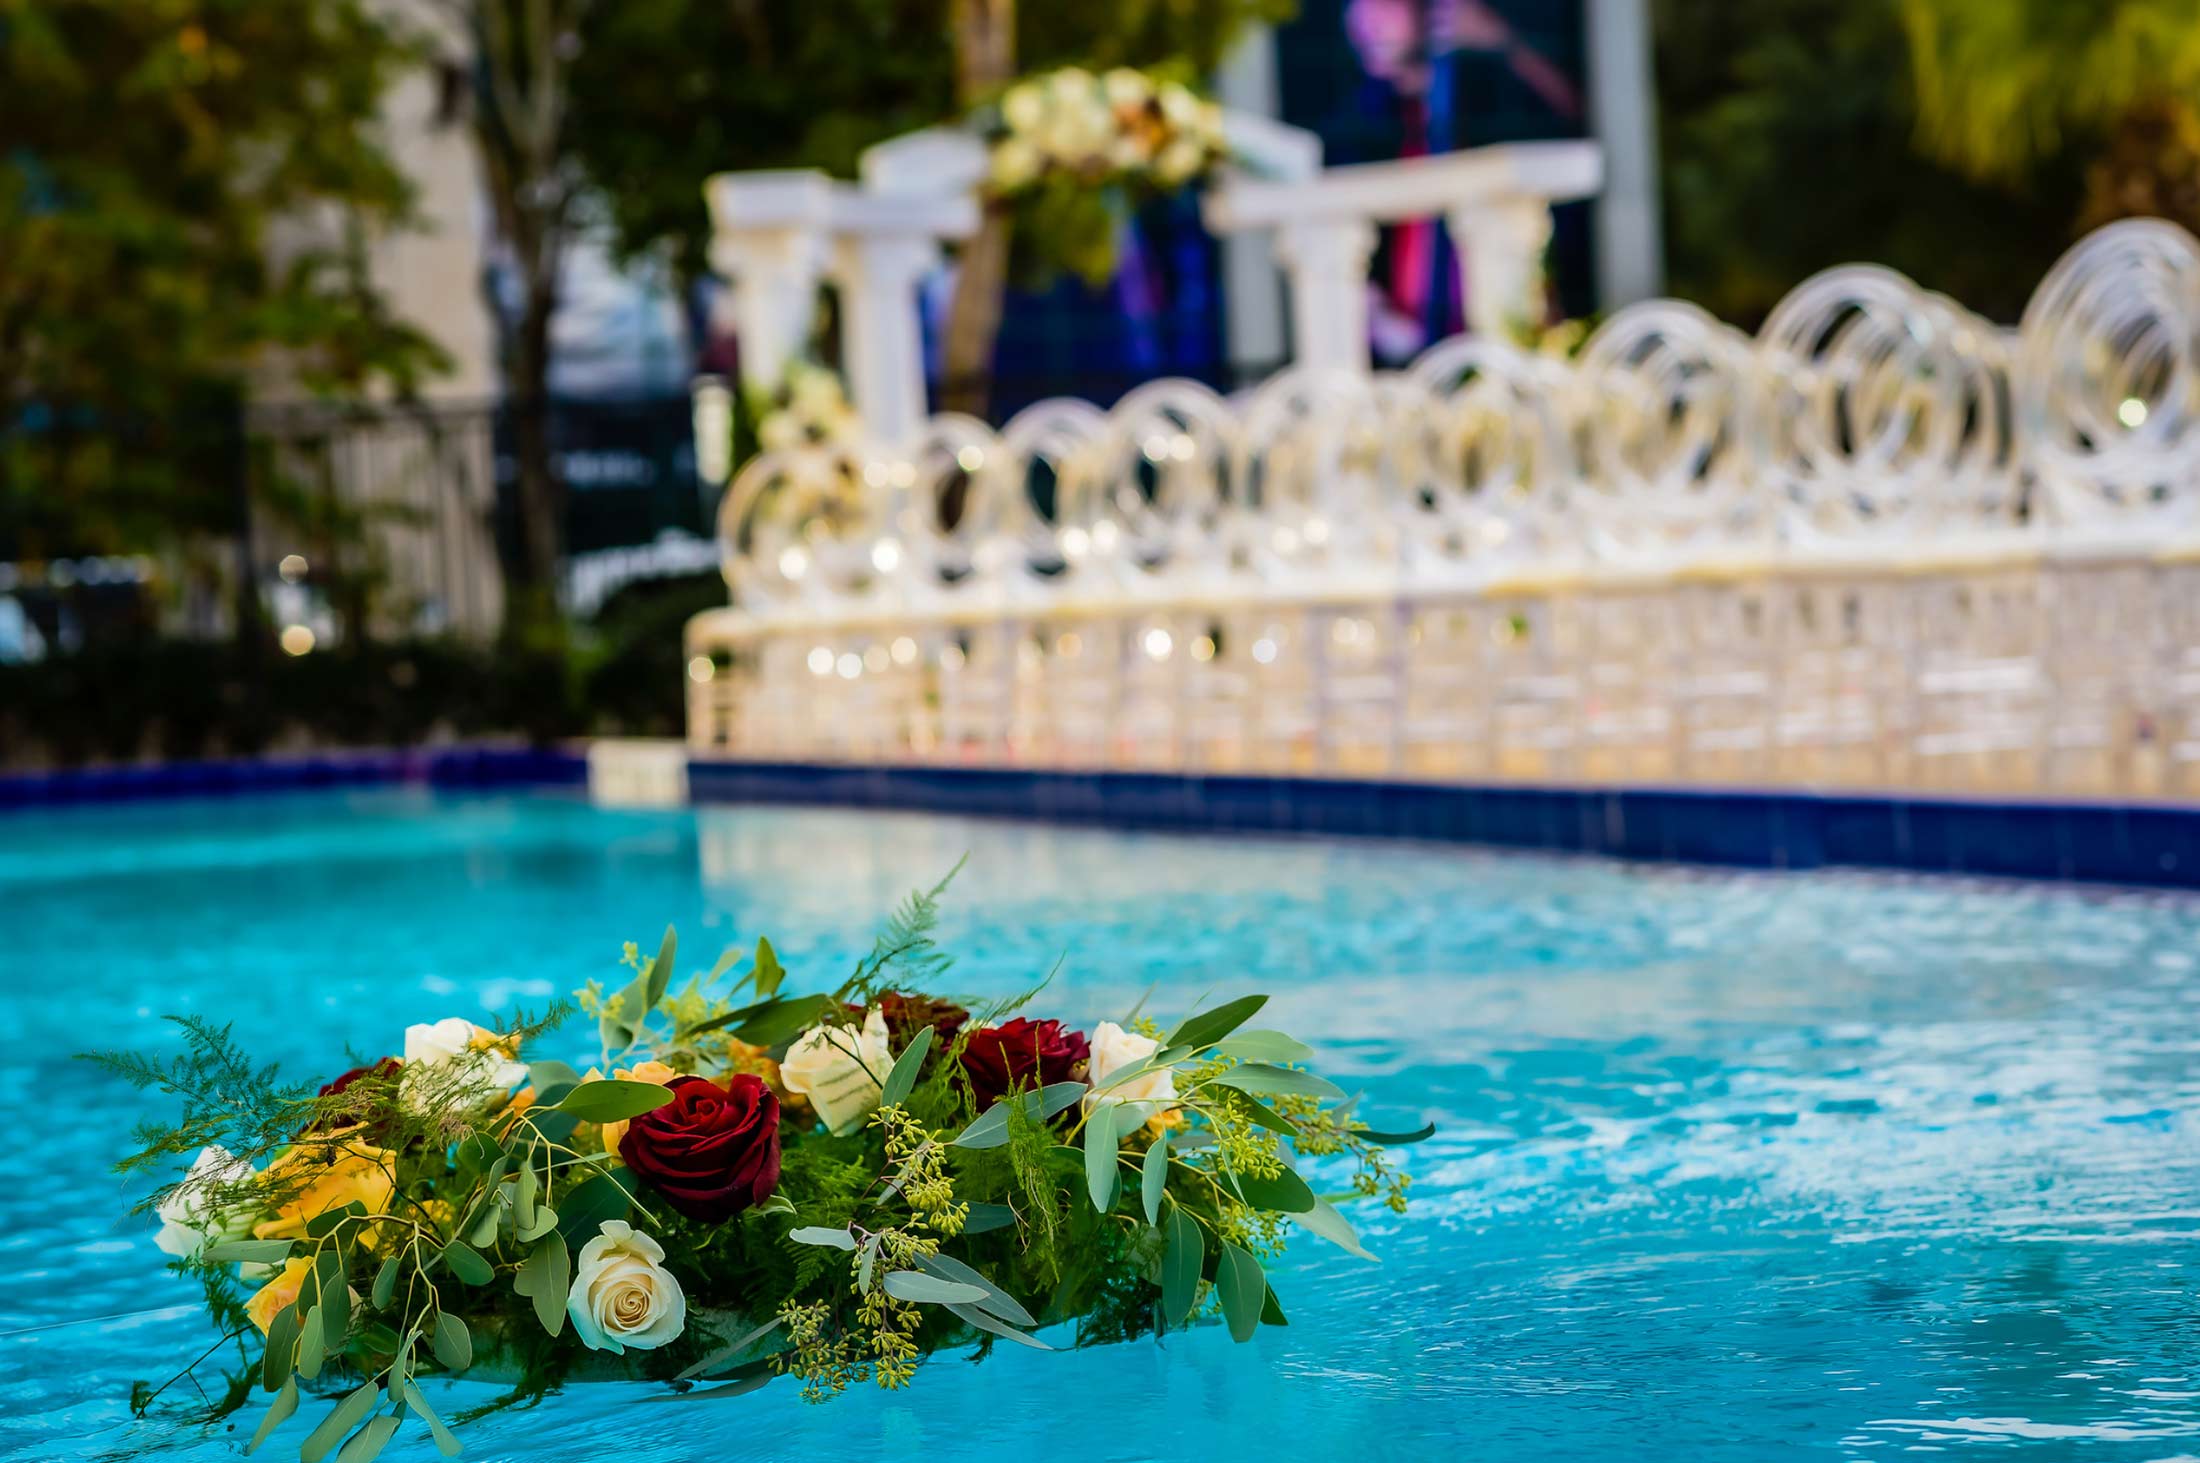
<point>453,1343</point>
<point>915,1285</point>
<point>1264,1046</point>
<point>446,1442</point>
<point>544,1277</point>
<point>865,1264</point>
<point>753,1383</point>
<point>278,1412</point>
<point>1286,1193</point>
<point>525,1190</point>
<point>817,1234</point>
<point>551,1081</point>
<point>247,1252</point>
<point>1260,1077</point>
<point>385,1284</point>
<point>583,1211</point>
<point>1324,1220</point>
<point>282,1343</point>
<point>729,1351</point>
<point>335,1309</point>
<point>1154,1177</point>
<point>1180,1266</point>
<point>970,1314</point>
<point>1101,1153</point>
<point>998,1301</point>
<point>987,1217</point>
<point>613,1100</point>
<point>901,1081</point>
<point>311,1345</point>
<point>546,1220</point>
<point>990,1129</point>
<point>1244,1290</point>
<point>1395,1140</point>
<point>367,1443</point>
<point>1261,1113</point>
<point>1271,1310</point>
<point>1209,1027</point>
<point>341,1420</point>
<point>466,1263</point>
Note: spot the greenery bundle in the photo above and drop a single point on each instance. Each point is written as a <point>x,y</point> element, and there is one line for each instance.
<point>831,1186</point>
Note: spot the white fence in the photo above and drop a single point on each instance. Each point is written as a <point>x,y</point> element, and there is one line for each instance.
<point>1882,543</point>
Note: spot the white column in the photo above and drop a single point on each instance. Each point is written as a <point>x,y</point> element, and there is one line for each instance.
<point>1252,289</point>
<point>881,330</point>
<point>1630,255</point>
<point>1500,247</point>
<point>1326,259</point>
<point>773,296</point>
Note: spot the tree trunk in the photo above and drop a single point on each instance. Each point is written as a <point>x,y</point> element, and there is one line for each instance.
<point>985,61</point>
<point>541,496</point>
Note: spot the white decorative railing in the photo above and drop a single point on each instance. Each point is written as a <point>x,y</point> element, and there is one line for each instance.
<point>1883,542</point>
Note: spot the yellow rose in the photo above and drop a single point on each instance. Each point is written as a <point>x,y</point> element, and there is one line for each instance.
<point>320,1178</point>
<point>277,1293</point>
<point>656,1072</point>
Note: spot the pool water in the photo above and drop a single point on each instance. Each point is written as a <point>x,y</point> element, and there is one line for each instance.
<point>1730,1167</point>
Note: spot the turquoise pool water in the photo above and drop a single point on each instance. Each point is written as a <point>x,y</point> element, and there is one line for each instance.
<point>1731,1168</point>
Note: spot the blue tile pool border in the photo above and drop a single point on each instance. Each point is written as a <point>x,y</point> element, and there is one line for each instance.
<point>2131,844</point>
<point>454,767</point>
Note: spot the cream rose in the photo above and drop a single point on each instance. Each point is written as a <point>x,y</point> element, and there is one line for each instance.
<point>1115,1050</point>
<point>188,1220</point>
<point>623,1297</point>
<point>1015,163</point>
<point>840,1070</point>
<point>479,1052</point>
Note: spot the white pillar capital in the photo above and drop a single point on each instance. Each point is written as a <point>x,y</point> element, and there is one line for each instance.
<point>1326,258</point>
<point>774,274</point>
<point>1500,245</point>
<point>881,339</point>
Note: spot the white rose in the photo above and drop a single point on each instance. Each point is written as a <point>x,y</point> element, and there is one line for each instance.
<point>622,1295</point>
<point>1127,88</point>
<point>1024,107</point>
<point>840,1070</point>
<point>1178,162</point>
<point>1115,1050</point>
<point>1015,163</point>
<point>187,1218</point>
<point>475,1049</point>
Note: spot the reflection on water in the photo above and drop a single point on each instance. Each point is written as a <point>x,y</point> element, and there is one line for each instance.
<point>1730,1167</point>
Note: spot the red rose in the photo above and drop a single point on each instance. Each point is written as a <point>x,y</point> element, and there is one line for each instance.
<point>712,1151</point>
<point>381,1074</point>
<point>1020,1055</point>
<point>385,1070</point>
<point>908,1015</point>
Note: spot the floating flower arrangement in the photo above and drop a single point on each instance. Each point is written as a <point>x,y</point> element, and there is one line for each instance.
<point>748,1183</point>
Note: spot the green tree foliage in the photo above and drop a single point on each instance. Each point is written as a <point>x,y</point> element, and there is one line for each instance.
<point>2002,85</point>
<point>187,191</point>
<point>1790,138</point>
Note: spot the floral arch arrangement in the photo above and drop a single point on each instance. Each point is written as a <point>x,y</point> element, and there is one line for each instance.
<point>748,1183</point>
<point>1073,153</point>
